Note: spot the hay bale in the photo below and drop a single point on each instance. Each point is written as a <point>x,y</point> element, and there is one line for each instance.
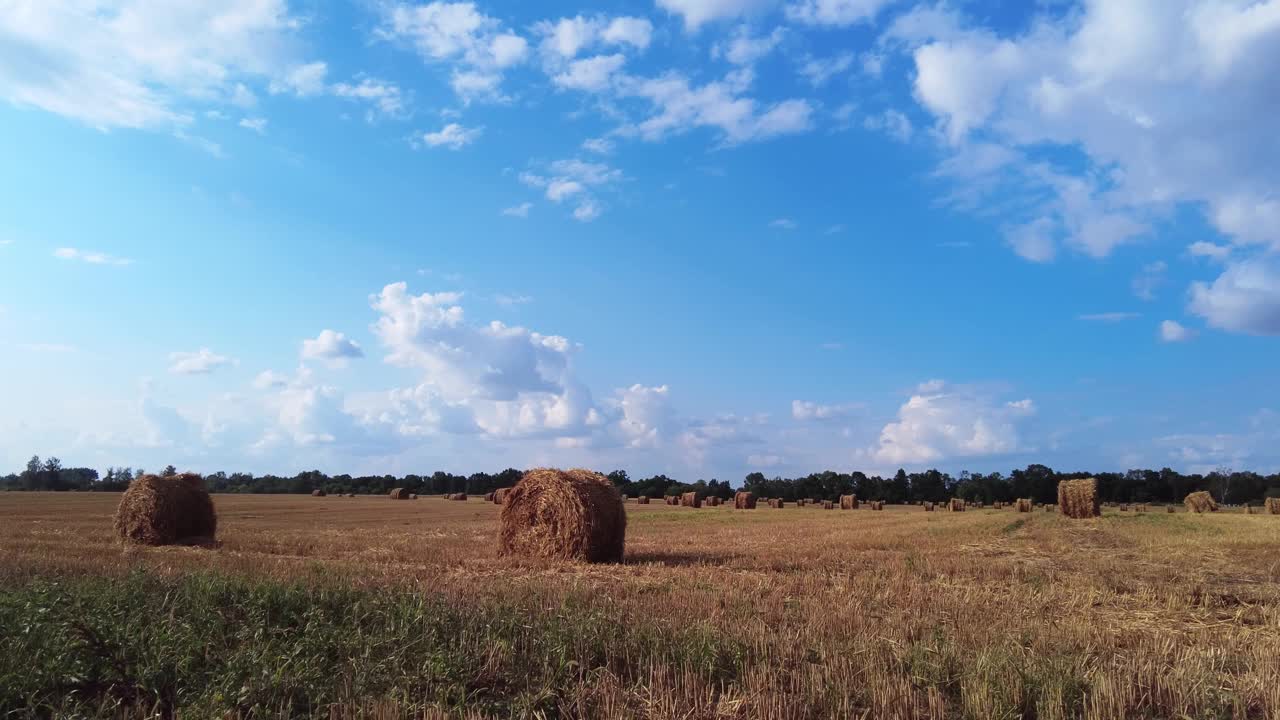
<point>1050,507</point>
<point>500,495</point>
<point>1023,505</point>
<point>414,496</point>
<point>1250,510</point>
<point>690,499</point>
<point>1079,498</point>
<point>776,503</point>
<point>828,505</point>
<point>566,514</point>
<point>458,496</point>
<point>1170,509</point>
<point>928,507</point>
<point>713,501</point>
<point>399,494</point>
<point>848,502</point>
<point>956,505</point>
<point>997,505</point>
<point>744,500</point>
<point>1199,502</point>
<point>488,497</point>
<point>158,510</point>
<point>642,500</point>
<point>1272,505</point>
<point>318,493</point>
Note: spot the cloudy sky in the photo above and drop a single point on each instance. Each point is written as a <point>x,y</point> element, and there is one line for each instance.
<point>699,237</point>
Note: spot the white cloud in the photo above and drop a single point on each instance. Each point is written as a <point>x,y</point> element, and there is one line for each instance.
<point>744,48</point>
<point>89,256</point>
<point>818,71</point>
<point>1209,250</point>
<point>270,380</point>
<point>1143,106</point>
<point>587,210</point>
<point>1244,298</point>
<point>942,421</point>
<point>804,410</point>
<point>681,107</point>
<point>838,13</point>
<point>138,63</point>
<point>632,31</point>
<point>599,146</point>
<point>452,136</point>
<point>647,417</point>
<point>566,37</point>
<point>559,189</point>
<point>1149,280</point>
<point>304,80</point>
<point>892,123</point>
<point>200,362</point>
<point>384,97</point>
<point>520,211</point>
<point>783,224</point>
<point>1172,331</point>
<point>509,300</point>
<point>591,74</point>
<point>574,179</point>
<point>256,124</point>
<point>1109,317</point>
<point>331,346</point>
<point>698,12</point>
<point>458,34</point>
<point>1033,241</point>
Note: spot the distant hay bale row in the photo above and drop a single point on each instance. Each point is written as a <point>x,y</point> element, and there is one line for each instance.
<point>1200,502</point>
<point>566,514</point>
<point>848,502</point>
<point>1273,505</point>
<point>1079,498</point>
<point>1023,504</point>
<point>744,501</point>
<point>690,499</point>
<point>158,510</point>
<point>956,505</point>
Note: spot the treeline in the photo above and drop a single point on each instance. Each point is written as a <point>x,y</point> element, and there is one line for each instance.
<point>1037,482</point>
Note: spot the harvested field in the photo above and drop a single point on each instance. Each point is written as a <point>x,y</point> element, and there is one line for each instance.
<point>882,615</point>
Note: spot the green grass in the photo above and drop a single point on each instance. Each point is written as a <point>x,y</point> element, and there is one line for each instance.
<point>206,645</point>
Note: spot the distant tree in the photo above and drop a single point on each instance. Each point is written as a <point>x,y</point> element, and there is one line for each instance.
<point>169,471</point>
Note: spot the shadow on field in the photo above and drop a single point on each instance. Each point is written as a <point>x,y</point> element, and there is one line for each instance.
<point>677,559</point>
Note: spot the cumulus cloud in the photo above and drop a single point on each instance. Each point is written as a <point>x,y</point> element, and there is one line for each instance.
<point>805,411</point>
<point>591,74</point>
<point>452,136</point>
<point>333,347</point>
<point>519,211</point>
<point>1172,331</point>
<point>384,97</point>
<point>836,13</point>
<point>680,106</point>
<point>574,180</point>
<point>820,70</point>
<point>942,421</point>
<point>699,12</point>
<point>1244,298</point>
<point>745,48</point>
<point>200,362</point>
<point>256,124</point>
<point>1209,250</point>
<point>566,37</point>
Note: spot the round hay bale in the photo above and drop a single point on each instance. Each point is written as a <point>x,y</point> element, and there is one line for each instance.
<point>848,502</point>
<point>399,494</point>
<point>458,496</point>
<point>500,495</point>
<point>690,499</point>
<point>928,507</point>
<point>488,497</point>
<point>956,505</point>
<point>1170,509</point>
<point>744,500</point>
<point>413,496</point>
<point>567,514</point>
<point>318,493</point>
<point>1199,502</point>
<point>642,500</point>
<point>165,510</point>
<point>1023,504</point>
<point>828,505</point>
<point>1273,505</point>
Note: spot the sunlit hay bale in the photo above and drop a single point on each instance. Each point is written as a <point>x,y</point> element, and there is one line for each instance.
<point>458,496</point>
<point>488,497</point>
<point>642,500</point>
<point>956,505</point>
<point>165,510</point>
<point>744,500</point>
<point>1273,505</point>
<point>1023,504</point>
<point>828,505</point>
<point>1250,510</point>
<point>775,503</point>
<point>875,505</point>
<point>1050,507</point>
<point>690,499</point>
<point>713,501</point>
<point>500,495</point>
<point>1200,502</point>
<point>568,514</point>
<point>848,502</point>
<point>1170,509</point>
<point>399,494</point>
<point>1079,498</point>
<point>996,505</point>
<point>928,507</point>
<point>1143,507</point>
<point>318,493</point>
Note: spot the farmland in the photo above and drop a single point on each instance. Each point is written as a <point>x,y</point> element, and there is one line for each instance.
<point>365,607</point>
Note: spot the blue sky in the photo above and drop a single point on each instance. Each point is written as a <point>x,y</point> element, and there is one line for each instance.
<point>699,237</point>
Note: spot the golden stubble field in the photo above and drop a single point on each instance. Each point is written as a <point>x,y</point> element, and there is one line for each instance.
<point>866,613</point>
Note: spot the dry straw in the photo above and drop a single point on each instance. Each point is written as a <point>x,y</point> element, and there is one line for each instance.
<point>165,510</point>
<point>744,500</point>
<point>828,505</point>
<point>928,507</point>
<point>488,497</point>
<point>1273,505</point>
<point>567,514</point>
<point>690,499</point>
<point>956,505</point>
<point>399,494</point>
<point>848,502</point>
<point>1023,504</point>
<point>500,495</point>
<point>1079,498</point>
<point>1199,502</point>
